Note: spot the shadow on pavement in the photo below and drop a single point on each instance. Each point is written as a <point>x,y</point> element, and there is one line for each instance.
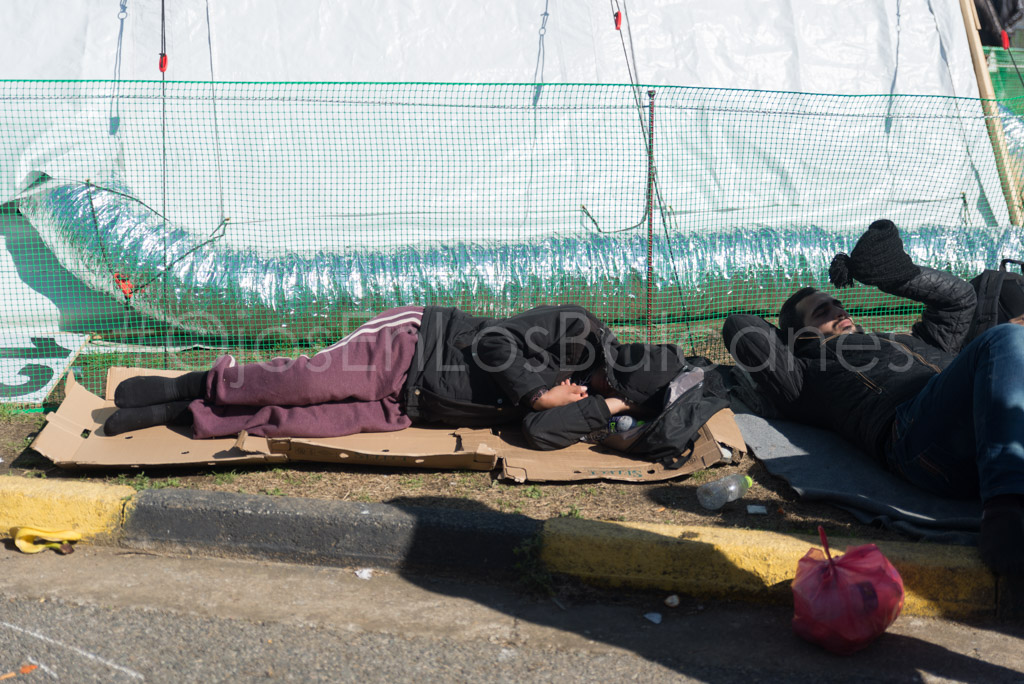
<point>709,639</point>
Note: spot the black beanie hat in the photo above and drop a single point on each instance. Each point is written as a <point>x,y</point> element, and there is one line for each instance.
<point>877,259</point>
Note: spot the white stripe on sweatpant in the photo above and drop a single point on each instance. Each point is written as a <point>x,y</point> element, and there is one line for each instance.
<point>403,318</point>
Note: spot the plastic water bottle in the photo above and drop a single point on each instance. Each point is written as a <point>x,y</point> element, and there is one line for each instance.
<point>623,423</point>
<point>615,425</point>
<point>714,495</point>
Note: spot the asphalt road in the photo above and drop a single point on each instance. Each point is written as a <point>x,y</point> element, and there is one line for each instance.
<point>103,615</point>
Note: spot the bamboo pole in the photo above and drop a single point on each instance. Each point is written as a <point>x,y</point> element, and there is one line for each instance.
<point>1007,179</point>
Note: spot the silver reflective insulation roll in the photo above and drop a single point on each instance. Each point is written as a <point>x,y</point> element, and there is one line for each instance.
<point>107,238</point>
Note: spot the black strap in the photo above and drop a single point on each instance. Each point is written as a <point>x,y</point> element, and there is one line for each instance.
<point>1002,264</point>
<point>988,298</point>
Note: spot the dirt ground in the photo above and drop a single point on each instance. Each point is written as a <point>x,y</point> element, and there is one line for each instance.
<point>671,502</point>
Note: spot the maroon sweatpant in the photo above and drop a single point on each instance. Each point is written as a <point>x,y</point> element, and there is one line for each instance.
<point>352,386</point>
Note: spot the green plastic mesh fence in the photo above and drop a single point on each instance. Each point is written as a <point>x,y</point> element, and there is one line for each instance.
<point>282,215</point>
<point>1007,79</point>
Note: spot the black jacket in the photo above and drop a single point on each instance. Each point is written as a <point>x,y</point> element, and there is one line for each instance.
<point>470,371</point>
<point>852,383</point>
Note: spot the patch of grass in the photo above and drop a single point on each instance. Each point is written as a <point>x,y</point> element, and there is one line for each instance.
<point>225,478</point>
<point>411,481</point>
<point>137,482</point>
<point>471,482</point>
<point>9,411</point>
<point>276,491</point>
<point>507,506</point>
<point>533,492</point>
<point>701,476</point>
<point>35,473</point>
<point>141,482</point>
<point>291,477</point>
<point>573,512</point>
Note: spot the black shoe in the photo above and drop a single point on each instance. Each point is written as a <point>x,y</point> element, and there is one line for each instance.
<point>128,419</point>
<point>147,390</point>
<point>1001,544</point>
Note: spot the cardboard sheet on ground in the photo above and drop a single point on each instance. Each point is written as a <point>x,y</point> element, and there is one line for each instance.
<point>73,438</point>
<point>821,466</point>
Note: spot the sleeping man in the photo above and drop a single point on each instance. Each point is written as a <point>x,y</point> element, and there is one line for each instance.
<point>556,369</point>
<point>948,420</point>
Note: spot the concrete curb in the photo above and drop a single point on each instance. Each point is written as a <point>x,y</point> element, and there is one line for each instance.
<point>946,581</point>
<point>91,508</point>
<point>326,532</point>
<point>939,580</point>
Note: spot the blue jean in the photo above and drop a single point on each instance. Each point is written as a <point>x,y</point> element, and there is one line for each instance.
<point>963,434</point>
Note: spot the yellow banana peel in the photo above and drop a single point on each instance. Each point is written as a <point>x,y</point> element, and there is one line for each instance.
<point>34,540</point>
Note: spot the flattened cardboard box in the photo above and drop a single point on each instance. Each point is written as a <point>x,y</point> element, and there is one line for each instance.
<point>73,438</point>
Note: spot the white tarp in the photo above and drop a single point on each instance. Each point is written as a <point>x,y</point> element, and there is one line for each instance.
<point>822,46</point>
<point>724,171</point>
<point>818,46</point>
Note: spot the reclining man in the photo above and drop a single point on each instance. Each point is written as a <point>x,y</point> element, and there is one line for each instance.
<point>949,420</point>
<point>558,369</point>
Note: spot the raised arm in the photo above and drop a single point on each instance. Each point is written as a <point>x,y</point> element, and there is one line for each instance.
<point>949,307</point>
<point>879,259</point>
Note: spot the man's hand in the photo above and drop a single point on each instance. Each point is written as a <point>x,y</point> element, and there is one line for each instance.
<point>560,395</point>
<point>878,259</point>
<point>616,405</point>
<point>1017,320</point>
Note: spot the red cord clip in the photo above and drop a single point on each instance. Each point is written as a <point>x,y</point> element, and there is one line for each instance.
<point>126,285</point>
<point>1006,40</point>
<point>163,62</point>
<point>618,21</point>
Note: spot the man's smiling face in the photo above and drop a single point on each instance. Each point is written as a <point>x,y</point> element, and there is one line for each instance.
<point>826,313</point>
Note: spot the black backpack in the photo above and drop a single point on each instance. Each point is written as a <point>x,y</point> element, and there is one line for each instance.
<point>688,402</point>
<point>1000,297</point>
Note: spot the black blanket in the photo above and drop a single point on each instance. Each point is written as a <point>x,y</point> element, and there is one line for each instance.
<point>822,466</point>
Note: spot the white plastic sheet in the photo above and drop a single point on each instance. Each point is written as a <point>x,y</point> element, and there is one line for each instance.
<point>824,46</point>
<point>723,172</point>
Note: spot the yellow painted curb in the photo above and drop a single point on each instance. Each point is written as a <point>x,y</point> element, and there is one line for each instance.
<point>940,580</point>
<point>86,507</point>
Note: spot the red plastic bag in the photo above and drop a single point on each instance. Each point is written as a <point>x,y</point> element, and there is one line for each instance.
<point>845,604</point>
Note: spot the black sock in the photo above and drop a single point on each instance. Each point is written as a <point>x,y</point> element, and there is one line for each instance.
<point>128,419</point>
<point>1001,543</point>
<point>147,390</point>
